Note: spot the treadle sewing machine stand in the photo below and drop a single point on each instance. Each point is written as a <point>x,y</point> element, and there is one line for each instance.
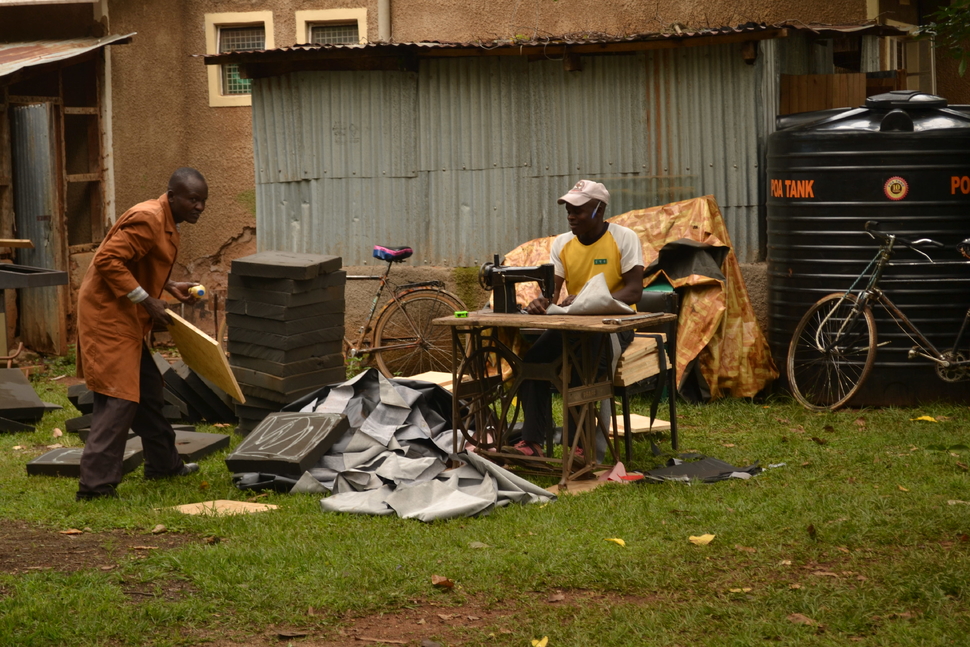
<point>484,410</point>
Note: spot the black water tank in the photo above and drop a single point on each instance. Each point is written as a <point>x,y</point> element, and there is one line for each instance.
<point>904,160</point>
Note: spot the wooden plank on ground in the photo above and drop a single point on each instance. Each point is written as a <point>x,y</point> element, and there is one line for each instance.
<point>204,356</point>
<point>640,424</point>
<point>17,242</point>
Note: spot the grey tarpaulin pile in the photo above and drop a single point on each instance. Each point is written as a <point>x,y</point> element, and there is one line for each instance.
<point>393,458</point>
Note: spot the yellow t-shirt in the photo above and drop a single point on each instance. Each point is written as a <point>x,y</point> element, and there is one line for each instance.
<point>617,251</point>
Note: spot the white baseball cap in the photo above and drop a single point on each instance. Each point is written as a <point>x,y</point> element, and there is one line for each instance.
<point>584,191</point>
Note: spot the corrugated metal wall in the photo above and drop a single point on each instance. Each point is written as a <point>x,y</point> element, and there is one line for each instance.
<point>467,157</point>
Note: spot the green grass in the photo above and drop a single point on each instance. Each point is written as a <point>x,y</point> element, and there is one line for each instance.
<point>884,566</point>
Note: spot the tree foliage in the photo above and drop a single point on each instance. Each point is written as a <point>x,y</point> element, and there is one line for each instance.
<point>950,29</point>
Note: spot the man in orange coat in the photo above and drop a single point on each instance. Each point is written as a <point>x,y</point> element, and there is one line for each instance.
<point>118,304</point>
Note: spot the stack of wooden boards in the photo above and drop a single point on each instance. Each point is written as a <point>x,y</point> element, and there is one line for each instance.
<point>65,461</point>
<point>20,407</point>
<point>638,362</point>
<point>285,316</point>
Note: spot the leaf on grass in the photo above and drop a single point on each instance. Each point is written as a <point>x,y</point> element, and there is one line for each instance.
<point>811,531</point>
<point>820,441</point>
<point>962,466</point>
<point>745,549</point>
<point>902,489</point>
<point>806,463</point>
<point>144,547</point>
<point>616,540</point>
<point>794,586</point>
<point>57,433</point>
<point>442,581</point>
<point>825,574</point>
<point>18,447</point>
<point>829,429</point>
<point>702,540</point>
<point>802,619</point>
<point>72,531</point>
<point>478,544</point>
<point>843,549</point>
<point>957,502</point>
<point>860,422</point>
<point>785,562</point>
<point>204,485</point>
<point>55,446</point>
<point>159,529</point>
<point>556,597</point>
<point>744,589</point>
<point>727,444</point>
<point>924,418</point>
<point>540,642</point>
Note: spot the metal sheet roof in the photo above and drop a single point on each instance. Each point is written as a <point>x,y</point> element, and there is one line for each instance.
<point>17,56</point>
<point>578,42</point>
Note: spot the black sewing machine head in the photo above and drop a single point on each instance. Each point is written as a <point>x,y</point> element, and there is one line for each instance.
<point>501,281</point>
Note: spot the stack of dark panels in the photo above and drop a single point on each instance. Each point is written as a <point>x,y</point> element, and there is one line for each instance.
<point>285,316</point>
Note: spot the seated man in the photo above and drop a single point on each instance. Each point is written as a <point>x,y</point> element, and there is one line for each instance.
<point>592,246</point>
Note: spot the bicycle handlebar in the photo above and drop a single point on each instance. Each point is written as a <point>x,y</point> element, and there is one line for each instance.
<point>870,228</point>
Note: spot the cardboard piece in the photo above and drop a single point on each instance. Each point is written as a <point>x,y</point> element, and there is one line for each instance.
<point>288,299</point>
<point>640,424</point>
<point>276,396</point>
<point>247,377</point>
<point>18,400</point>
<point>309,365</point>
<point>435,377</point>
<point>287,342</point>
<point>204,355</point>
<point>284,356</point>
<point>224,507</point>
<point>287,327</point>
<point>66,461</point>
<point>81,398</point>
<point>283,313</point>
<point>285,265</point>
<point>288,443</point>
<point>220,411</point>
<point>13,426</point>
<point>287,285</point>
<point>195,445</point>
<point>72,425</point>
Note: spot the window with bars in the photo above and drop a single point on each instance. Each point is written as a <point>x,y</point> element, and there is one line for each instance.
<point>334,34</point>
<point>239,39</point>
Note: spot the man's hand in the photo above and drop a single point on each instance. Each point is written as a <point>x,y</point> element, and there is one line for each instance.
<point>568,300</point>
<point>180,290</point>
<point>156,309</point>
<point>538,306</point>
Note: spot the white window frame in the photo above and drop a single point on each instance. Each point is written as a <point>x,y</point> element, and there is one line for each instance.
<point>310,17</point>
<point>216,21</point>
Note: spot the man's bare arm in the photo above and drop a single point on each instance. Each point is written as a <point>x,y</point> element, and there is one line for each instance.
<point>632,286</point>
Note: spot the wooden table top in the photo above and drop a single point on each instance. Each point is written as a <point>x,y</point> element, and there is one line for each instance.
<point>578,323</point>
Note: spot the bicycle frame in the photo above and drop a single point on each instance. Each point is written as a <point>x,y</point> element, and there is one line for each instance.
<point>872,293</point>
<point>355,348</point>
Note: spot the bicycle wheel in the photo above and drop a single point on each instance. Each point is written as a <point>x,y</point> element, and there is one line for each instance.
<point>831,352</point>
<point>405,323</point>
<point>488,409</point>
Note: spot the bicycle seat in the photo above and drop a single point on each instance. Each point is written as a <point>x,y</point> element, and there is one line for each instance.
<point>392,254</point>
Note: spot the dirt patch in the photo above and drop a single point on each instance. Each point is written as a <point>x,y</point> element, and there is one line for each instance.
<point>25,548</point>
<point>426,623</point>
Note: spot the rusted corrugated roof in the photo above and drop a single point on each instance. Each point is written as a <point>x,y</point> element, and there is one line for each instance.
<point>17,56</point>
<point>581,41</point>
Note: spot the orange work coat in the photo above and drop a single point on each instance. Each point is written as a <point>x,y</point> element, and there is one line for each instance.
<point>139,250</point>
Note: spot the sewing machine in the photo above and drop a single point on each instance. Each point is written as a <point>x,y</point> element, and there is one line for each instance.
<point>501,281</point>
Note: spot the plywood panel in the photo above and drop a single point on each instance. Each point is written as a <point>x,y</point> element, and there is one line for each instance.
<point>810,92</point>
<point>204,356</point>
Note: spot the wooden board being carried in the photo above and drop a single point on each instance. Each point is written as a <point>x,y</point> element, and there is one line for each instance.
<point>204,356</point>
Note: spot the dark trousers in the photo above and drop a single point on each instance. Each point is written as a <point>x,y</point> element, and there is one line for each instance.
<point>105,446</point>
<point>536,395</point>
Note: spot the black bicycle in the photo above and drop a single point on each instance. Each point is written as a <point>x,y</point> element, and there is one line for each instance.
<point>835,343</point>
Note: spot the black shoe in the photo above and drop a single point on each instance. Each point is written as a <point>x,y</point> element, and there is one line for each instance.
<point>185,470</point>
<point>90,496</point>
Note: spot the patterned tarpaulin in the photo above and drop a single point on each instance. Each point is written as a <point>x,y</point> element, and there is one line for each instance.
<point>717,324</point>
